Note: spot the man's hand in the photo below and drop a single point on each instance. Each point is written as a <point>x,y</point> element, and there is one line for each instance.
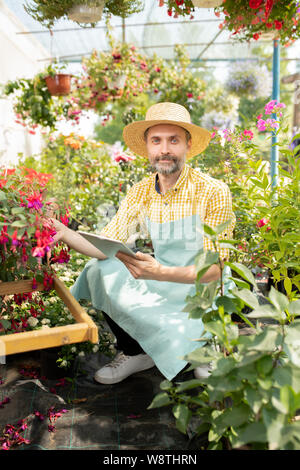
<point>145,267</point>
<point>60,230</point>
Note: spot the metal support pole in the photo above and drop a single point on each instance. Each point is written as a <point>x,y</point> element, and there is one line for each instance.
<point>275,96</point>
<point>123,31</point>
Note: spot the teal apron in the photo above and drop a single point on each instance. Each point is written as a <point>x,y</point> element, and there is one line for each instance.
<point>150,311</point>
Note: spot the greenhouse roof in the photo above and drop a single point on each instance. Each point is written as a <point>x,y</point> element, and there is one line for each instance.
<point>151,30</point>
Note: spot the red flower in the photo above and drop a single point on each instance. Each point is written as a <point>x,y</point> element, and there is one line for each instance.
<point>255,4</point>
<point>256,36</point>
<point>278,24</point>
<point>263,222</point>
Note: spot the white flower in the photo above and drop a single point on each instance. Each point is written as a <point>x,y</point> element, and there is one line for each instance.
<point>92,311</point>
<point>64,363</point>
<point>73,349</point>
<point>81,354</point>
<point>95,348</point>
<point>45,320</point>
<point>32,321</point>
<point>79,261</point>
<point>45,326</point>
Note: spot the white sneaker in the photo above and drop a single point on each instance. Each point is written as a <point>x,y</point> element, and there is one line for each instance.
<point>121,367</point>
<point>203,372</point>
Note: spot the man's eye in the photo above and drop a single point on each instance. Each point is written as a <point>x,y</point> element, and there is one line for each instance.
<point>174,141</point>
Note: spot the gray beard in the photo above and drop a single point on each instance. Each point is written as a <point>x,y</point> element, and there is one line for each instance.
<point>176,165</point>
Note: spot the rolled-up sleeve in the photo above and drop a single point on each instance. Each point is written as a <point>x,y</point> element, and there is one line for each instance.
<point>127,219</point>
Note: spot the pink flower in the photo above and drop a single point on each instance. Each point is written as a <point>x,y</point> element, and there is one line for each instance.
<point>122,158</point>
<point>273,106</point>
<point>261,125</point>
<point>248,134</point>
<point>227,135</point>
<point>272,123</point>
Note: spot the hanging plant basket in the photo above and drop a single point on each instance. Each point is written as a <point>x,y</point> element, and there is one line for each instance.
<point>207,3</point>
<point>86,13</point>
<point>83,330</point>
<point>59,85</point>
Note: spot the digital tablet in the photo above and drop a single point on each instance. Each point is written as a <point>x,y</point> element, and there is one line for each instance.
<point>108,246</point>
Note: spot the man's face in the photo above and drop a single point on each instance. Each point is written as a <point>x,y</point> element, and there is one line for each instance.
<point>167,147</point>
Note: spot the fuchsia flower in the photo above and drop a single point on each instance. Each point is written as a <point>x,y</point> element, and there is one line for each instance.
<point>35,201</point>
<point>255,4</point>
<point>4,236</point>
<point>39,415</point>
<point>62,257</point>
<point>11,435</point>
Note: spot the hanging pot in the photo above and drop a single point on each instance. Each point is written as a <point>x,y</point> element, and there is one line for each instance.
<point>59,84</point>
<point>87,13</point>
<point>207,3</point>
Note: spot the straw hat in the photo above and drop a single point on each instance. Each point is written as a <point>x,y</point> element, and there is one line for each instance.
<point>165,113</point>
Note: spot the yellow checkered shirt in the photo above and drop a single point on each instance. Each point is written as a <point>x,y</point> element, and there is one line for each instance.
<point>193,193</point>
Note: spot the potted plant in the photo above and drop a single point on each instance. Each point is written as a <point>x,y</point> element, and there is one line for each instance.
<point>250,19</point>
<point>87,12</point>
<point>207,3</point>
<point>177,8</point>
<point>249,80</point>
<point>39,102</point>
<point>58,83</point>
<point>47,13</point>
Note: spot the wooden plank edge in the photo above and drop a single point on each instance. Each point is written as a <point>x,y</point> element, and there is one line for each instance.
<point>45,338</point>
<point>75,308</point>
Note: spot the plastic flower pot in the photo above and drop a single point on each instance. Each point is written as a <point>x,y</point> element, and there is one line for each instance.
<point>207,3</point>
<point>59,85</point>
<point>86,13</point>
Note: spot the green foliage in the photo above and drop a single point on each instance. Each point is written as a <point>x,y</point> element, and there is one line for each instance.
<point>252,396</point>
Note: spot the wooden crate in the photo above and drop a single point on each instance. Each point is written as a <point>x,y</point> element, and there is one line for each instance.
<point>83,330</point>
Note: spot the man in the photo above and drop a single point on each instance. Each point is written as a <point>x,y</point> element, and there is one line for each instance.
<point>143,299</point>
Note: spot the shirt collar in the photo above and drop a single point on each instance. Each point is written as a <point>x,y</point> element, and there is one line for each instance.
<point>179,182</point>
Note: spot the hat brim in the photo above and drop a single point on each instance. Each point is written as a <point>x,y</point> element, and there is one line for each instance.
<point>133,135</point>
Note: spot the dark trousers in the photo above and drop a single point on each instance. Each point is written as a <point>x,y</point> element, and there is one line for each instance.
<point>125,342</point>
